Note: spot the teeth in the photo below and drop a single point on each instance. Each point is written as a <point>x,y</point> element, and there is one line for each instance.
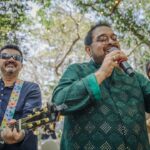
<point>10,65</point>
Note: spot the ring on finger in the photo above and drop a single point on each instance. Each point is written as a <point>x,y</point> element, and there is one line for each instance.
<point>114,58</point>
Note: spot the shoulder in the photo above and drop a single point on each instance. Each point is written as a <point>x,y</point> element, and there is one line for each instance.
<point>140,76</point>
<point>78,65</point>
<point>27,85</point>
<point>73,71</point>
<point>76,68</point>
<point>142,79</point>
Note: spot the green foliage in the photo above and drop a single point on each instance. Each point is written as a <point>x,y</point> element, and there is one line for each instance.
<point>126,18</point>
<point>56,24</point>
<point>12,14</point>
<point>43,3</point>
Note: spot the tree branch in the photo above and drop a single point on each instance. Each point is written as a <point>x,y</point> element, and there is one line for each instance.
<point>71,47</point>
<point>67,53</point>
<point>115,7</point>
<point>134,49</point>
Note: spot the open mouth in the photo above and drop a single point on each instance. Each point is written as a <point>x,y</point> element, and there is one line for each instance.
<point>10,64</point>
<point>107,49</point>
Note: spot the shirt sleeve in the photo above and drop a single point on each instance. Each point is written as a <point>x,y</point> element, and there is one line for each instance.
<point>32,100</point>
<point>145,86</point>
<point>76,92</point>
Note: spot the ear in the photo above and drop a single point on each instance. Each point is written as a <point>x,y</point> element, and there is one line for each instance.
<point>88,50</point>
<point>21,66</point>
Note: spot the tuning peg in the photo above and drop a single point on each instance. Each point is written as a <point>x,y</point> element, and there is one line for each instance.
<point>38,122</point>
<point>46,119</point>
<point>36,109</point>
<point>36,132</point>
<point>30,125</point>
<point>45,109</point>
<point>30,115</point>
<point>37,112</point>
<point>52,127</point>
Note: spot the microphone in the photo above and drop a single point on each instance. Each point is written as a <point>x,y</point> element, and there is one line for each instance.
<point>124,64</point>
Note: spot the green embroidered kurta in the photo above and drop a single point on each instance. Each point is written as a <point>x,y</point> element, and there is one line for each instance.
<point>110,116</point>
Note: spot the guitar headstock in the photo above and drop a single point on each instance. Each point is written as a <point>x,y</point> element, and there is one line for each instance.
<point>38,118</point>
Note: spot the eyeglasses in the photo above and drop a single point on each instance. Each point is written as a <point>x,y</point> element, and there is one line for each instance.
<point>105,39</point>
<point>14,56</point>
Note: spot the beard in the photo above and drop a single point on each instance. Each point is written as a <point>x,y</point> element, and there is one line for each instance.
<point>8,71</point>
<point>98,59</point>
<point>9,68</point>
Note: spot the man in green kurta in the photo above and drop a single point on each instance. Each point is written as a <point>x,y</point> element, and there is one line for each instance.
<point>105,108</point>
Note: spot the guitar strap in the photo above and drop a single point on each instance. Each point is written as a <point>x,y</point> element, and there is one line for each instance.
<point>11,107</point>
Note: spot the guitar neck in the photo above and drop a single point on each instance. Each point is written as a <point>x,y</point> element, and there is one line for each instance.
<point>37,119</point>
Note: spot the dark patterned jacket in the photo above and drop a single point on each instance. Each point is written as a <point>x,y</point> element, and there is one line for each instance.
<point>30,97</point>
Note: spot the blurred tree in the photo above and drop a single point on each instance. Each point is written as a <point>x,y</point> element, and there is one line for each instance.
<point>130,19</point>
<point>51,33</point>
<point>12,15</point>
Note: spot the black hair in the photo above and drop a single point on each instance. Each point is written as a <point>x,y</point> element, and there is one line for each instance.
<point>10,46</point>
<point>88,39</point>
<point>147,67</point>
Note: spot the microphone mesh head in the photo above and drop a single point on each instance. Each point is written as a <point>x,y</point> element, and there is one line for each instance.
<point>113,49</point>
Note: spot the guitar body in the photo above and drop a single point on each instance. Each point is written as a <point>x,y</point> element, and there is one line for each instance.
<point>38,118</point>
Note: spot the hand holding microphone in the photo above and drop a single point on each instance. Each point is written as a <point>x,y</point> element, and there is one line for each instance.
<point>124,64</point>
<point>114,58</point>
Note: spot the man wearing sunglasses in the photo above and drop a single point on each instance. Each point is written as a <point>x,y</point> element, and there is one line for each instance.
<point>17,99</point>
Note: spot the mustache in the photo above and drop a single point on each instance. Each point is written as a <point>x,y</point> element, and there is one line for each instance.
<point>107,49</point>
<point>10,62</point>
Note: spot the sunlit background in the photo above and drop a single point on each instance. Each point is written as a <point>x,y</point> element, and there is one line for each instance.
<point>51,33</point>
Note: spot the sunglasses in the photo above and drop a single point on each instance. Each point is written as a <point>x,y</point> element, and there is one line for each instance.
<point>14,56</point>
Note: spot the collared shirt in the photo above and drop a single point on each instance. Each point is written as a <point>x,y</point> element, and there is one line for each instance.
<point>5,93</point>
<point>30,97</point>
<point>107,116</point>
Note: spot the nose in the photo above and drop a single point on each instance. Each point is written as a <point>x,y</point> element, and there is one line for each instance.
<point>11,58</point>
<point>111,41</point>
